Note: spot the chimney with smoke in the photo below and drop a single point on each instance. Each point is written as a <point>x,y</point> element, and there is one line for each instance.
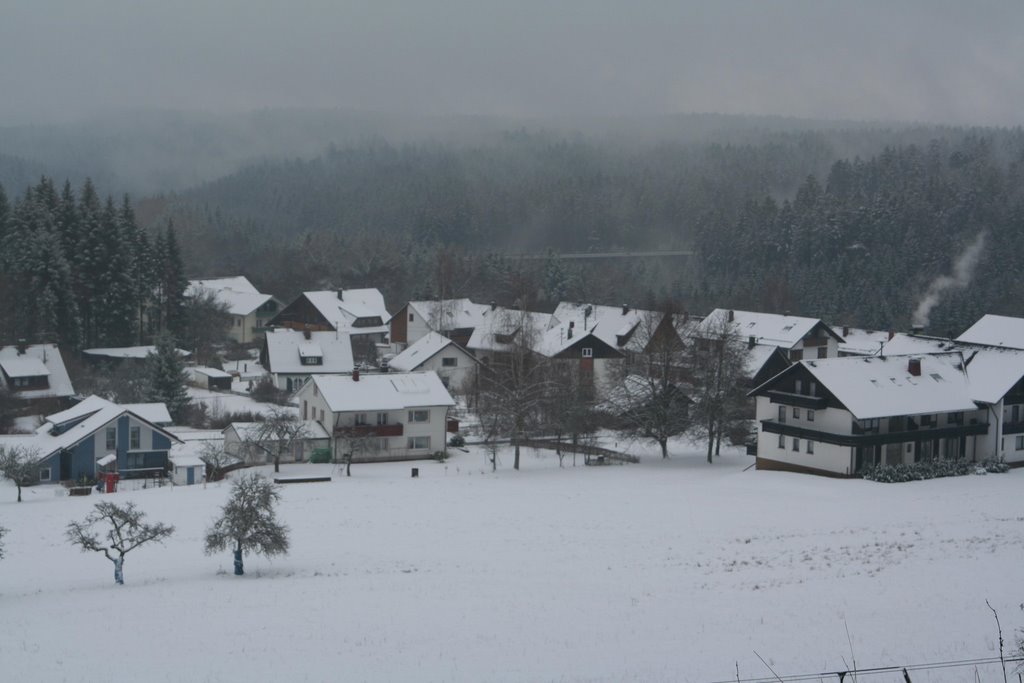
<point>963,273</point>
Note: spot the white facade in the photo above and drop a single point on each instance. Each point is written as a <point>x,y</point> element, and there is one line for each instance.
<point>394,425</point>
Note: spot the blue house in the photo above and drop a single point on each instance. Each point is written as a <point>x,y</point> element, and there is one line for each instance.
<point>70,443</point>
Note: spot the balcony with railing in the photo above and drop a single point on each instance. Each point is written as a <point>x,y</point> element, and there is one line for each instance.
<point>863,437</point>
<point>359,431</point>
<point>789,398</point>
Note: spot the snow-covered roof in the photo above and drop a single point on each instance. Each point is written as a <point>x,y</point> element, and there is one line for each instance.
<point>38,360</point>
<point>344,309</point>
<point>506,321</point>
<point>156,413</point>
<point>557,339</point>
<point>245,369</point>
<point>391,391</point>
<point>250,431</point>
<point>756,357</point>
<point>785,331</point>
<point>991,370</point>
<point>128,352</point>
<point>286,348</point>
<point>422,350</point>
<point>882,386</point>
<point>450,314</point>
<point>996,330</point>
<point>236,293</point>
<point>208,372</point>
<point>185,459</point>
<point>611,324</point>
<point>861,342</point>
<point>96,412</point>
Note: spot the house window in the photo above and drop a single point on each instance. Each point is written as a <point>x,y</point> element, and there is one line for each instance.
<point>1020,443</point>
<point>810,415</point>
<point>810,447</point>
<point>419,416</point>
<point>238,322</point>
<point>782,413</point>
<point>412,318</point>
<point>135,438</point>
<point>796,354</point>
<point>928,420</point>
<point>782,441</point>
<point>796,413</point>
<point>321,415</point>
<point>796,444</point>
<point>588,352</point>
<point>822,352</point>
<point>813,389</point>
<point>382,418</point>
<point>304,412</point>
<point>449,362</point>
<point>360,419</point>
<point>44,474</point>
<point>418,442</point>
<point>798,387</point>
<point>111,438</point>
<point>955,418</point>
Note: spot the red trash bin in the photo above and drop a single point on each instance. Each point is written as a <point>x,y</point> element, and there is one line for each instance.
<point>112,479</point>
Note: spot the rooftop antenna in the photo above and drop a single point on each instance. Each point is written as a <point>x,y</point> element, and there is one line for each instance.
<point>881,349</point>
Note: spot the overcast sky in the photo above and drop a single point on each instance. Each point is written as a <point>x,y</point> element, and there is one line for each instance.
<point>927,60</point>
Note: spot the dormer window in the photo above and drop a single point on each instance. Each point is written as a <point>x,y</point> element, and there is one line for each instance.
<point>312,360</point>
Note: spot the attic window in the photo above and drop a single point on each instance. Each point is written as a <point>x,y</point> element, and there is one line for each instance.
<point>874,382</point>
<point>787,328</point>
<point>937,377</point>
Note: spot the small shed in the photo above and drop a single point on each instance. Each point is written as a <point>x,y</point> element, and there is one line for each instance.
<point>210,378</point>
<point>187,470</point>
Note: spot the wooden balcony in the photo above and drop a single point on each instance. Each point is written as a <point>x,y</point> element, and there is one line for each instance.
<point>873,439</point>
<point>800,400</point>
<point>370,430</point>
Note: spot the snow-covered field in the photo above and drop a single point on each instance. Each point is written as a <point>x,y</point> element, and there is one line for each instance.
<point>673,571</point>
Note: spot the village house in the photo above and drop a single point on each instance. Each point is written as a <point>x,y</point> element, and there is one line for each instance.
<point>35,375</point>
<point>502,330</point>
<point>452,318</point>
<point>95,434</point>
<point>249,309</point>
<point>456,366</point>
<point>838,416</point>
<point>360,313</point>
<point>291,356</point>
<point>799,338</point>
<point>250,442</point>
<point>393,416</point>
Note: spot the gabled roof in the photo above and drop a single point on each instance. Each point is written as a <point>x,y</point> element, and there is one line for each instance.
<point>391,391</point>
<point>757,357</point>
<point>785,331</point>
<point>36,359</point>
<point>250,431</point>
<point>996,330</point>
<point>501,321</point>
<point>94,413</point>
<point>991,370</point>
<point>861,342</point>
<point>616,326</point>
<point>561,337</point>
<point>342,311</point>
<point>236,293</point>
<point>286,348</point>
<point>881,386</point>
<point>422,350</point>
<point>450,314</point>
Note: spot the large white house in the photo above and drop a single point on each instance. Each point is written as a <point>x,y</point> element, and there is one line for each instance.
<point>393,416</point>
<point>838,416</point>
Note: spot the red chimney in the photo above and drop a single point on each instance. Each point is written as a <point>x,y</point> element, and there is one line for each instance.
<point>846,330</point>
<point>355,375</point>
<point>307,334</point>
<point>914,367</point>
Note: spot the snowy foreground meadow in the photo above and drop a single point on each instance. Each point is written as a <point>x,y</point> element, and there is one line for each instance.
<point>663,571</point>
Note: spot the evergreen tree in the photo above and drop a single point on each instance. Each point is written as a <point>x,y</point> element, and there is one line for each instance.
<point>167,377</point>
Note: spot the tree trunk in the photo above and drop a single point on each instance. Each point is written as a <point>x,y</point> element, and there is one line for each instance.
<point>718,440</point>
<point>664,447</point>
<point>19,493</point>
<point>239,571</point>
<point>277,462</point>
<point>711,440</point>
<point>118,570</point>
<point>348,466</point>
<point>516,465</point>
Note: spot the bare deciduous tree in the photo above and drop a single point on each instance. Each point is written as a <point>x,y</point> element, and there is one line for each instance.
<point>248,521</point>
<point>3,532</point>
<point>216,458</point>
<point>279,432</point>
<point>716,364</point>
<point>20,464</point>
<point>124,531</point>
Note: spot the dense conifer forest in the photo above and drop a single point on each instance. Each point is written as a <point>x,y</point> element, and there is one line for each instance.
<point>851,224</point>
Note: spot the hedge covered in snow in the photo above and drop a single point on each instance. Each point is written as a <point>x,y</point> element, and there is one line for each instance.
<point>931,469</point>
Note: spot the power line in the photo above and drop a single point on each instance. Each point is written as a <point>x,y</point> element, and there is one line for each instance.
<point>874,671</point>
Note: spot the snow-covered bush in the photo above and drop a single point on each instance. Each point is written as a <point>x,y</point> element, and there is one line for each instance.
<point>457,440</point>
<point>320,456</point>
<point>929,469</point>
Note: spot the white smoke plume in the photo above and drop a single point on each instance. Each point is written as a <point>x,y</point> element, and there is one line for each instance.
<point>963,273</point>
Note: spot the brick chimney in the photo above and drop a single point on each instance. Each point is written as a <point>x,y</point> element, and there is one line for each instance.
<point>307,334</point>
<point>355,375</point>
<point>914,367</point>
<point>846,330</point>
<point>732,315</point>
<point>751,342</point>
<point>625,309</point>
<point>569,333</point>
